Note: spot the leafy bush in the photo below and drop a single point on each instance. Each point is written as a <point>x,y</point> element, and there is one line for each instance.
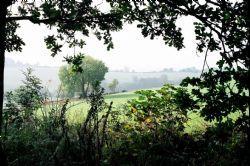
<point>151,132</point>
<point>166,108</point>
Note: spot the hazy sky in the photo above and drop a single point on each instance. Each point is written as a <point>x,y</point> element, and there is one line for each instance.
<point>131,50</point>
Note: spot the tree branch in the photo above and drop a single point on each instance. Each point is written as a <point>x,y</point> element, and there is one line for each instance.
<point>29,18</point>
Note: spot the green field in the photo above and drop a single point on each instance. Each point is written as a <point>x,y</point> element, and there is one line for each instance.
<point>77,110</point>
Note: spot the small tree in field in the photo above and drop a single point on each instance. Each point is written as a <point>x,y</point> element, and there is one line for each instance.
<point>25,100</point>
<point>113,85</point>
<point>91,73</point>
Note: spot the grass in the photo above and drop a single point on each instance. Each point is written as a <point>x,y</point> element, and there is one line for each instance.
<point>120,98</point>
<point>195,123</point>
<point>78,110</point>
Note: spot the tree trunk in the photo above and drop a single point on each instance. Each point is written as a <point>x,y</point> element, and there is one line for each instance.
<point>3,14</point>
<point>83,90</point>
<point>87,89</point>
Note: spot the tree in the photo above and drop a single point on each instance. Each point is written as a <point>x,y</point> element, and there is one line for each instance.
<point>221,26</point>
<point>113,85</point>
<point>92,73</point>
<point>22,102</point>
<point>67,17</point>
<point>68,80</point>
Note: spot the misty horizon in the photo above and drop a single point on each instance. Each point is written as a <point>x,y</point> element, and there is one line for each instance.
<point>9,62</point>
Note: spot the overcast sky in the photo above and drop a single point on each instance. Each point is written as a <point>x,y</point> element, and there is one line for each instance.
<point>131,49</point>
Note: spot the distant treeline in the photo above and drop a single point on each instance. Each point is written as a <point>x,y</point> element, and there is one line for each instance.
<point>188,69</point>
<point>128,79</point>
<point>144,83</point>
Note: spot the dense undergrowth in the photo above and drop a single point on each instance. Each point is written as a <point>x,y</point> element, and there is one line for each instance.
<point>148,130</point>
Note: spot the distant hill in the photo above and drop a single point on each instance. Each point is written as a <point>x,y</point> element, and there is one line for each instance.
<point>127,80</point>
